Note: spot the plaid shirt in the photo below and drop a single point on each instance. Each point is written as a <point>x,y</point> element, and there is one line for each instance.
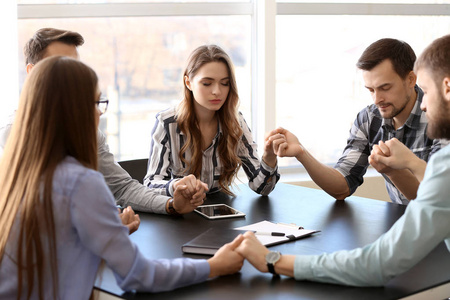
<point>369,128</point>
<point>165,166</point>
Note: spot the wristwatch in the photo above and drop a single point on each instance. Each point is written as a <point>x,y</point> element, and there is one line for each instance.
<point>271,259</point>
<point>171,209</point>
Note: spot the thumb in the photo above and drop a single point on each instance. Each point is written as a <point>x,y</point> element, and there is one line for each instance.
<point>205,186</point>
<point>383,160</point>
<point>236,242</point>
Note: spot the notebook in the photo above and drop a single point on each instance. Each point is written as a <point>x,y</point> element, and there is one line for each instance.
<point>211,240</point>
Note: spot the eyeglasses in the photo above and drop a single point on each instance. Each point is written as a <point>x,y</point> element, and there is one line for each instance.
<point>102,104</point>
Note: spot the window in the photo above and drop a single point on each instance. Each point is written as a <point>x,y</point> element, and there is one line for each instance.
<point>139,49</point>
<point>140,63</point>
<point>319,89</point>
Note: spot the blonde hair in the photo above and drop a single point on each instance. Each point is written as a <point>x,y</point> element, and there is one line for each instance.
<point>56,118</point>
<point>227,116</point>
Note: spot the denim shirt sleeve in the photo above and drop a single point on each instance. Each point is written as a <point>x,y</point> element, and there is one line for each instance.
<point>99,228</point>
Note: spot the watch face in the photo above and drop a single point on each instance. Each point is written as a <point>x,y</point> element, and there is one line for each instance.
<point>272,257</point>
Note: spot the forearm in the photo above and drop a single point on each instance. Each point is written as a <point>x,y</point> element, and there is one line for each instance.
<point>327,178</point>
<point>405,181</point>
<point>285,266</point>
<point>417,167</point>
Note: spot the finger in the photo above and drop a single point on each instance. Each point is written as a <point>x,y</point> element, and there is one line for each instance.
<point>278,136</point>
<point>281,150</point>
<point>236,242</point>
<point>186,194</point>
<point>276,143</point>
<point>199,196</point>
<point>191,183</point>
<point>383,160</point>
<point>205,186</point>
<point>273,132</point>
<point>376,150</point>
<point>384,148</point>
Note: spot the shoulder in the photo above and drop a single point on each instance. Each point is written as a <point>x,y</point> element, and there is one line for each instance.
<point>368,116</point>
<point>441,159</point>
<point>167,115</point>
<point>434,188</point>
<point>70,173</point>
<point>242,120</point>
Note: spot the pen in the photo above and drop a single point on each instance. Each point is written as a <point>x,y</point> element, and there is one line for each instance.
<point>269,233</point>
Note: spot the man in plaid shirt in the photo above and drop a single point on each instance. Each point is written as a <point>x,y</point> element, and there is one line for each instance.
<point>387,67</point>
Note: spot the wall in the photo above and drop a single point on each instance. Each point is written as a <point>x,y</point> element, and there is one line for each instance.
<point>373,187</point>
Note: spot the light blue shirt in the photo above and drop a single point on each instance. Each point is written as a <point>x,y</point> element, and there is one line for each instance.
<point>88,229</point>
<point>425,223</point>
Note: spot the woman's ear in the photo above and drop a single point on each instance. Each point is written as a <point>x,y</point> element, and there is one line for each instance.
<point>187,82</point>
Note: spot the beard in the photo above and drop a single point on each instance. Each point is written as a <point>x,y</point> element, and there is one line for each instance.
<point>439,124</point>
<point>395,111</point>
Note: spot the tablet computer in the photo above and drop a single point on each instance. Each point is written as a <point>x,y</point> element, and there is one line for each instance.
<point>218,211</point>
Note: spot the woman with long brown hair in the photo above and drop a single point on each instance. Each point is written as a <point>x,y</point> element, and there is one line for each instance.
<point>58,218</point>
<point>205,135</point>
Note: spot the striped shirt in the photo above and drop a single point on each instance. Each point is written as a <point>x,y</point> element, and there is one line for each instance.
<point>369,128</point>
<point>164,165</point>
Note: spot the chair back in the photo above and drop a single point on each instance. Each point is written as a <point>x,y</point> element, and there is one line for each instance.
<point>137,168</point>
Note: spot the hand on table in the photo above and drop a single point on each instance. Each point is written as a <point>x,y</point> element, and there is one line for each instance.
<point>226,260</point>
<point>252,250</point>
<point>189,192</point>
<point>130,219</point>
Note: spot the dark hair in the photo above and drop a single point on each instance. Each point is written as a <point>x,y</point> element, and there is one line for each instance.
<point>398,52</point>
<point>436,58</point>
<point>35,47</point>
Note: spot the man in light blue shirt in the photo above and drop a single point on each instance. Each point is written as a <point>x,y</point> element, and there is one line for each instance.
<point>409,240</point>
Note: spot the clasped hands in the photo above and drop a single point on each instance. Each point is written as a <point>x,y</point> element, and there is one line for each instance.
<point>230,257</point>
<point>189,193</point>
<point>394,155</point>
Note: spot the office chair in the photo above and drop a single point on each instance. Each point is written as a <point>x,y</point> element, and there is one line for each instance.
<point>137,168</point>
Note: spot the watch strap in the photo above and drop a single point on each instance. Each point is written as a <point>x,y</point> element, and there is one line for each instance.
<point>271,268</point>
<point>171,209</point>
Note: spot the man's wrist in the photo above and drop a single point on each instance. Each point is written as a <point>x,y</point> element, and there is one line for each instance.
<point>170,209</point>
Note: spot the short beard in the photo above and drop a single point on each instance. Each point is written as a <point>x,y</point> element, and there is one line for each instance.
<point>439,126</point>
<point>395,112</point>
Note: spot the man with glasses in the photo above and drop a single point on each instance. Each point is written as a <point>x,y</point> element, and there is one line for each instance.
<point>127,192</point>
<point>102,105</point>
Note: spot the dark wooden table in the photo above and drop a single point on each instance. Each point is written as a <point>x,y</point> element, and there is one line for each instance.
<point>347,224</point>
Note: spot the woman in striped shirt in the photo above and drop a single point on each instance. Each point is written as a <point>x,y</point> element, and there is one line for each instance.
<point>202,142</point>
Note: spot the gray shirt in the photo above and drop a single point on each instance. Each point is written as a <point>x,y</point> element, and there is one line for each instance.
<point>126,191</point>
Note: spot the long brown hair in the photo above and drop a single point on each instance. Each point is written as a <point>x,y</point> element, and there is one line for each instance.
<point>56,118</point>
<point>227,115</point>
